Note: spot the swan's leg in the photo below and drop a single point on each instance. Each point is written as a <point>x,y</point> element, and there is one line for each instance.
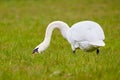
<point>73,49</point>
<point>97,51</point>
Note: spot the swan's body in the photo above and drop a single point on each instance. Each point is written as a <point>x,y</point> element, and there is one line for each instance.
<point>86,35</point>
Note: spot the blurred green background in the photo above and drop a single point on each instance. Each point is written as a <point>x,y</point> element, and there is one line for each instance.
<point>22,27</point>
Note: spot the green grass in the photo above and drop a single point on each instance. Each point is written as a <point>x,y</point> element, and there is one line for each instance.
<point>22,27</point>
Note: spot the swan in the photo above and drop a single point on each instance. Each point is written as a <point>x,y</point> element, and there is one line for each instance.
<point>85,35</point>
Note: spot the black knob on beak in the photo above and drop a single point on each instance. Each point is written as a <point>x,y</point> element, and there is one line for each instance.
<point>35,51</point>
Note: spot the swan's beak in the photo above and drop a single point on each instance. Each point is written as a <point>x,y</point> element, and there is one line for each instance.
<point>35,51</point>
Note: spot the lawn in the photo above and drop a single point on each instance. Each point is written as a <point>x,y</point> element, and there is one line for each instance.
<point>22,27</point>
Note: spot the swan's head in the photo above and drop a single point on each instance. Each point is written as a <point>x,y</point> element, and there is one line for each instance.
<point>40,48</point>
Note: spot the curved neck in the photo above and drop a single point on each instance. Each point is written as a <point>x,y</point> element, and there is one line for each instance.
<point>63,27</point>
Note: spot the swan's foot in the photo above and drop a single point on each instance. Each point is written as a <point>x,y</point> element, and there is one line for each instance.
<point>35,51</point>
<point>97,52</point>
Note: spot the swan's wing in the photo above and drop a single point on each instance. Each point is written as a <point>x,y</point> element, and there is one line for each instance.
<point>86,31</point>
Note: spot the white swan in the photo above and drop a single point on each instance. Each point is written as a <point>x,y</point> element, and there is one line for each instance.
<point>86,35</point>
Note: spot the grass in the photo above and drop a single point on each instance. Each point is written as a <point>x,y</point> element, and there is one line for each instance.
<point>23,25</point>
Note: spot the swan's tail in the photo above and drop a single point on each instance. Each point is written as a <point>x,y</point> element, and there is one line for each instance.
<point>98,43</point>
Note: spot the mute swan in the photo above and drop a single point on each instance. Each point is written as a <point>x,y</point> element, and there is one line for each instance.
<point>86,35</point>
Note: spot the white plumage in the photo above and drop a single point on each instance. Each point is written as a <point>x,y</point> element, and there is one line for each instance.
<point>86,35</point>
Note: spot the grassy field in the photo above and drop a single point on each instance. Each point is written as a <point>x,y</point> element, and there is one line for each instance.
<point>22,27</point>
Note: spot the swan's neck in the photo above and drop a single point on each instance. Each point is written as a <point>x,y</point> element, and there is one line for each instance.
<point>63,27</point>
